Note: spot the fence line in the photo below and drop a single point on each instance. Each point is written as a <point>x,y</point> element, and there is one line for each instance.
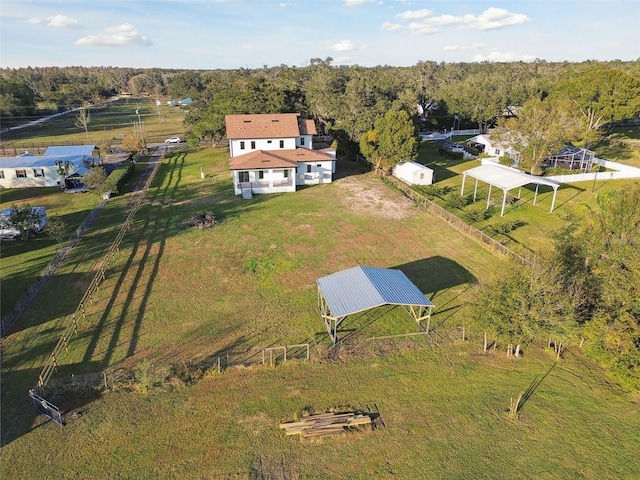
<point>21,305</point>
<point>453,220</point>
<point>51,364</point>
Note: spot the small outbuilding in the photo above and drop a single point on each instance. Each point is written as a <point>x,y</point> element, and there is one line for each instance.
<point>413,173</point>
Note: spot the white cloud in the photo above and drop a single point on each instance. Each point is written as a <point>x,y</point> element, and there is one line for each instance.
<point>391,27</point>
<point>493,18</point>
<point>474,46</point>
<point>414,14</point>
<point>490,19</point>
<point>33,20</point>
<point>356,3</point>
<point>421,29</point>
<point>343,46</point>
<point>497,56</point>
<point>62,21</point>
<point>122,35</point>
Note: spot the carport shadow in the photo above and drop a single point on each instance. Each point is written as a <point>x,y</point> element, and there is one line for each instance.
<point>436,274</point>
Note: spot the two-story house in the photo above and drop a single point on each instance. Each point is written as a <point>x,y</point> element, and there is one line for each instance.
<point>272,153</point>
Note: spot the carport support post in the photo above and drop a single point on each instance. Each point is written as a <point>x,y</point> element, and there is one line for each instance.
<point>535,197</point>
<point>489,197</point>
<point>553,202</point>
<point>475,189</point>
<point>464,177</point>
<point>504,200</point>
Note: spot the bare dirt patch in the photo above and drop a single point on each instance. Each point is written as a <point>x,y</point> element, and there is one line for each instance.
<point>369,196</point>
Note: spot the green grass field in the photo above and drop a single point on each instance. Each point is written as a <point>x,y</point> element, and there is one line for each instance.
<point>183,297</point>
<point>113,122</point>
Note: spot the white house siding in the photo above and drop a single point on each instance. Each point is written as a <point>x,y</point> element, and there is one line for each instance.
<point>273,181</point>
<point>314,173</point>
<point>47,177</point>
<point>260,144</point>
<point>305,141</point>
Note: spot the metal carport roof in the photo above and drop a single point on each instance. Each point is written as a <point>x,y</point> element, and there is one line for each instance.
<point>506,178</point>
<point>362,288</point>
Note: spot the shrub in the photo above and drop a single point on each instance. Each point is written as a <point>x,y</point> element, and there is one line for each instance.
<point>476,213</point>
<point>432,191</point>
<point>454,200</point>
<point>506,161</point>
<point>502,227</point>
<point>119,176</point>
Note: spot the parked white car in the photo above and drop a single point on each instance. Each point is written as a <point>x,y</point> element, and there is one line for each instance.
<point>173,140</point>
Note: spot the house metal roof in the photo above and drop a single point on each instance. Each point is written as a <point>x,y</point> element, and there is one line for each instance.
<point>32,161</point>
<point>70,150</point>
<point>361,288</point>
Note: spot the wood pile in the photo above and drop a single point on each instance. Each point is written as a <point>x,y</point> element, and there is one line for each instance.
<point>325,424</point>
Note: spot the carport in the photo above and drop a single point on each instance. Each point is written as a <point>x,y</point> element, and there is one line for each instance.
<point>360,288</point>
<point>506,178</point>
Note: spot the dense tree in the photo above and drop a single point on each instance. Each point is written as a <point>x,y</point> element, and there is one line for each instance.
<point>541,128</point>
<point>95,179</point>
<point>526,302</point>
<point>17,101</point>
<point>602,96</point>
<point>392,140</point>
<point>24,219</point>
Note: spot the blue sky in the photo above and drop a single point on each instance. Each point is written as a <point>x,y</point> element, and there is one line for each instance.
<point>209,34</point>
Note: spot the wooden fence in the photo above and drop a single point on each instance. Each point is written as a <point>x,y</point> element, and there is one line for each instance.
<point>51,364</point>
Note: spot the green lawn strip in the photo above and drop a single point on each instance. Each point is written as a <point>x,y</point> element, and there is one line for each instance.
<point>113,122</point>
<point>445,412</point>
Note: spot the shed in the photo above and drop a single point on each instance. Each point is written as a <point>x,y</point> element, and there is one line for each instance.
<point>413,173</point>
<point>361,288</point>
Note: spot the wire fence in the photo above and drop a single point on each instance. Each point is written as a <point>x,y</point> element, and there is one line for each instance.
<point>453,220</point>
<point>51,364</point>
<point>27,298</point>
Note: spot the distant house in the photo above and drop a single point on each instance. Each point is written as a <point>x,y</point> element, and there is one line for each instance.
<point>568,157</point>
<point>484,144</point>
<point>48,170</point>
<point>413,173</point>
<point>272,153</point>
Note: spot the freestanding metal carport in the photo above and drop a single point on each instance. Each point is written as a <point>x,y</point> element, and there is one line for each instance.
<point>506,178</point>
<point>360,288</point>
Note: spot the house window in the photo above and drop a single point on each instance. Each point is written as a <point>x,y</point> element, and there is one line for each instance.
<point>286,174</point>
<point>243,176</point>
<point>253,145</point>
<point>268,141</point>
<point>302,141</point>
<point>308,168</point>
<point>21,173</point>
<point>260,174</point>
<point>281,143</point>
<point>241,145</point>
<point>497,151</point>
<point>38,172</point>
<point>319,165</point>
<point>1,173</point>
<point>422,176</point>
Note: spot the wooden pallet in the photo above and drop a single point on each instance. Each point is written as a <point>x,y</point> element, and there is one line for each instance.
<point>325,424</point>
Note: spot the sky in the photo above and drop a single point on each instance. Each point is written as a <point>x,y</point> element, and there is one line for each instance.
<point>227,34</point>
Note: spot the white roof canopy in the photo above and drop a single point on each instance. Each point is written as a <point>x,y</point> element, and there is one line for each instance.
<point>506,178</point>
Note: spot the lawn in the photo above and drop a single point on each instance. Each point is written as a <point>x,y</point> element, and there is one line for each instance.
<point>178,297</point>
<point>534,223</point>
<point>113,122</point>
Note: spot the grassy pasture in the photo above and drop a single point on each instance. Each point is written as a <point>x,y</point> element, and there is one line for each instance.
<point>180,295</point>
<point>534,222</point>
<point>114,121</point>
